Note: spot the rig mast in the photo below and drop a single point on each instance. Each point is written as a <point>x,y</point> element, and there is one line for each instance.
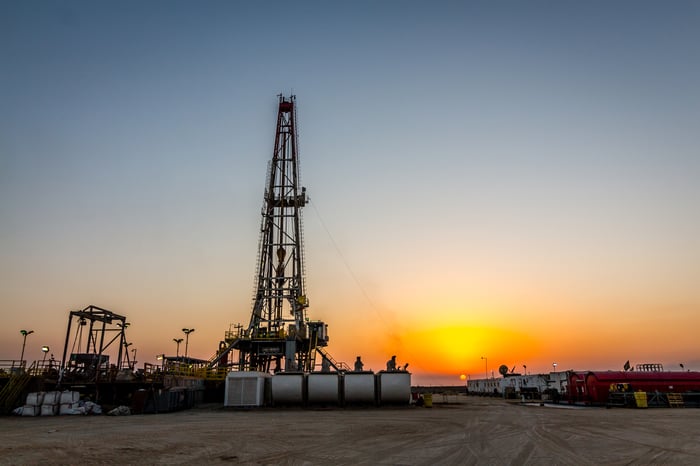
<point>279,336</point>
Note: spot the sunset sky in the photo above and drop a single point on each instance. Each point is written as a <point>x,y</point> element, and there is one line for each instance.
<point>510,180</point>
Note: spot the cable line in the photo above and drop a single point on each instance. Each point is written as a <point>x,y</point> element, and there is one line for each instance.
<point>347,265</point>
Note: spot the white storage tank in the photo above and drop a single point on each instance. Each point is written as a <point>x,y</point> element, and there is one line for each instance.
<point>245,388</point>
<point>323,387</point>
<point>288,388</point>
<point>394,387</point>
<point>359,388</point>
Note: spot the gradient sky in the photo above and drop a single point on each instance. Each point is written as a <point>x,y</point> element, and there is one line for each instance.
<point>514,180</point>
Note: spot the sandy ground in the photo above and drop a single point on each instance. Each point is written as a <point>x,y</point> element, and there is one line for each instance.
<point>468,430</point>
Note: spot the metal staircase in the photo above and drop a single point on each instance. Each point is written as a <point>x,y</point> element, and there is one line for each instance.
<point>12,391</point>
<point>337,365</point>
<point>216,358</point>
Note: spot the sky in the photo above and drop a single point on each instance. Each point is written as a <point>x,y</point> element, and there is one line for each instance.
<point>491,183</point>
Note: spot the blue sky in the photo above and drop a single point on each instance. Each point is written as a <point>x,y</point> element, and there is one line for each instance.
<point>482,153</point>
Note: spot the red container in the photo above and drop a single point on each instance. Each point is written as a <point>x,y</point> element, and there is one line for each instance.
<point>594,387</point>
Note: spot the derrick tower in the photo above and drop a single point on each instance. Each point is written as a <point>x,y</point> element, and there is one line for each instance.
<point>280,336</point>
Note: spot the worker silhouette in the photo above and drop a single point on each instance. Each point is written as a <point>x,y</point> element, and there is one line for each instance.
<point>391,364</point>
<point>325,365</point>
<point>358,364</point>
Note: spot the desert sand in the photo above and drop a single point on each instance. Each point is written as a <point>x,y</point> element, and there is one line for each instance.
<point>455,431</point>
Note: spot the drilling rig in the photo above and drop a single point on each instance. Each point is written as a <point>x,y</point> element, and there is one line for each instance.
<point>279,337</point>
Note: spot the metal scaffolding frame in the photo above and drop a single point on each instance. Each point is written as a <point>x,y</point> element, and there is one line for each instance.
<point>96,330</point>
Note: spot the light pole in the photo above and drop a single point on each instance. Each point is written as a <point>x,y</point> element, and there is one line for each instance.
<point>525,369</point>
<point>486,365</point>
<point>178,341</point>
<point>554,366</point>
<point>187,332</point>
<point>44,349</point>
<point>24,342</point>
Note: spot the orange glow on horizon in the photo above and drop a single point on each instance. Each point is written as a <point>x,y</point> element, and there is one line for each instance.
<point>457,349</point>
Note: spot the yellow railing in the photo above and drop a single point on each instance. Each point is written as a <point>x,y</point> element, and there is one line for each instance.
<point>186,370</point>
<point>10,366</point>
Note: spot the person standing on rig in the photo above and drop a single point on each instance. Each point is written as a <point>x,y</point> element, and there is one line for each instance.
<point>359,364</point>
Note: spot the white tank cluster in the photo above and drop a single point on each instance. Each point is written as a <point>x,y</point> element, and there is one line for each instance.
<point>247,389</point>
<point>55,403</point>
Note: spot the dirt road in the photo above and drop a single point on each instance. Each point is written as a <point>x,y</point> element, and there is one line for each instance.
<point>472,431</point>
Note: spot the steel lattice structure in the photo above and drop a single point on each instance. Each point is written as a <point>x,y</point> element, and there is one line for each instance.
<point>280,297</point>
<point>279,336</point>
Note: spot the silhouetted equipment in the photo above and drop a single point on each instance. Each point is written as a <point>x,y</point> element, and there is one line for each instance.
<point>97,331</point>
<point>503,370</point>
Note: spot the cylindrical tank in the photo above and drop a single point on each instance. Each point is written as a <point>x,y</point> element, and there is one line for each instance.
<point>288,388</point>
<point>359,387</point>
<point>576,386</point>
<point>394,387</point>
<point>323,387</point>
